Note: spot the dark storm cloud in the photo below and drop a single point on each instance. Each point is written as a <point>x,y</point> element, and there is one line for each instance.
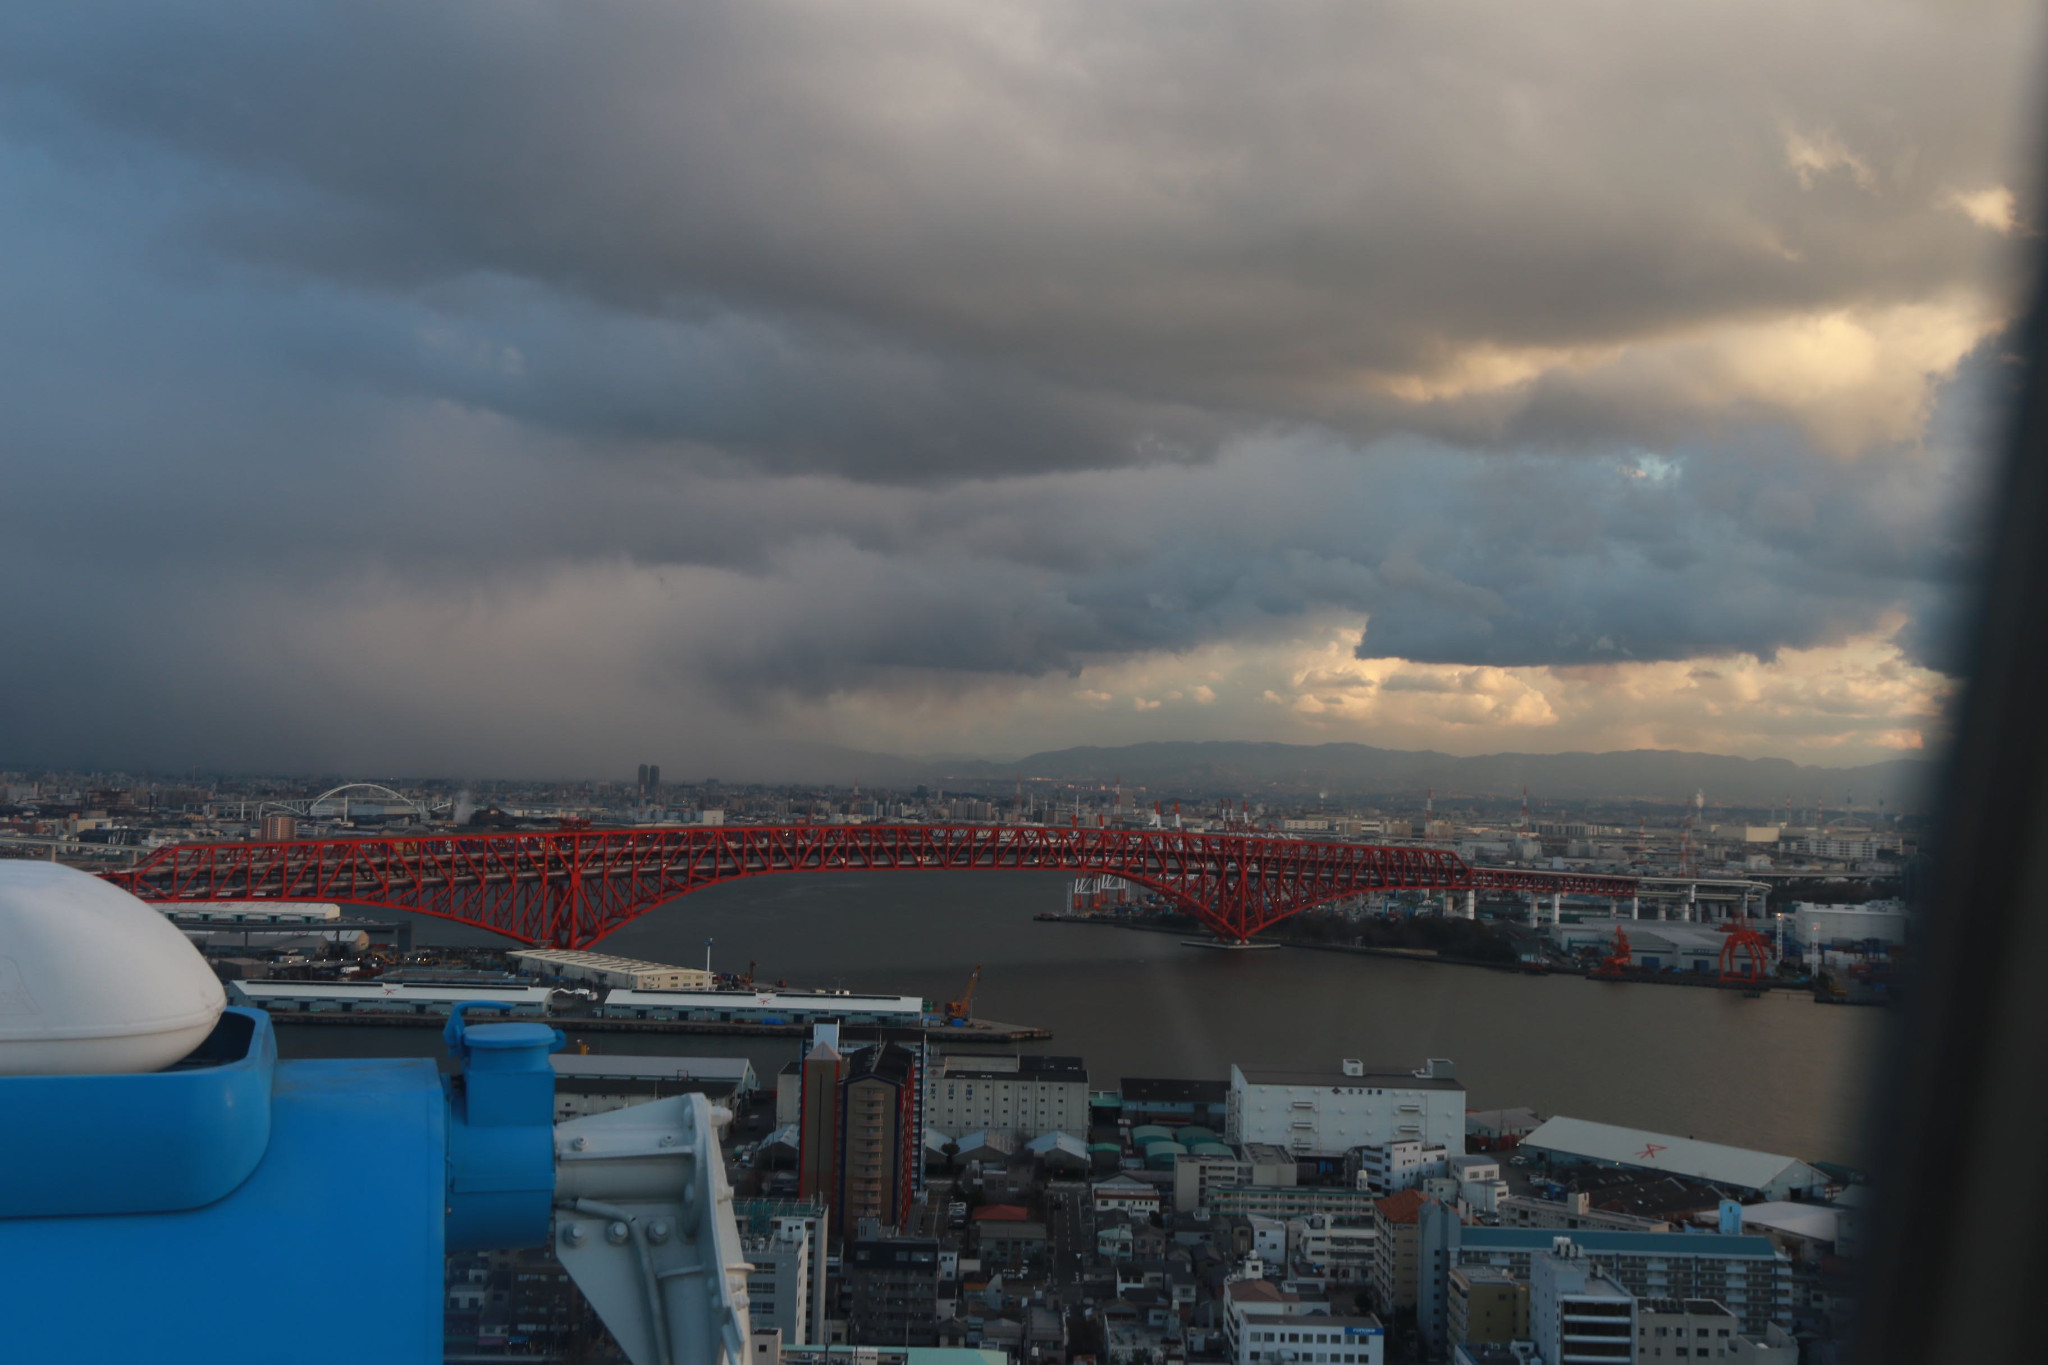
<point>977,240</point>
<point>370,370</point>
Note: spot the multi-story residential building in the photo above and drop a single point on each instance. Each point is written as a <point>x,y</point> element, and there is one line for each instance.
<point>1329,1113</point>
<point>1341,1250</point>
<point>879,1143</point>
<point>1244,1299</point>
<point>818,1146</point>
<point>892,1291</point>
<point>1024,1096</point>
<point>1573,1212</point>
<point>1486,1306</point>
<point>1008,1237</point>
<point>1195,1174</point>
<point>1125,1194</point>
<point>1703,1329</point>
<point>1747,1274</point>
<point>761,1220</point>
<point>1276,1335</point>
<point>1389,1167</point>
<point>1396,1249</point>
<point>1578,1316</point>
<point>779,1285</point>
<point>1476,1176</point>
<point>1291,1201</point>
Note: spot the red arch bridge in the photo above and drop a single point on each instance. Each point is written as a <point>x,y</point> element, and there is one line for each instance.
<point>569,889</point>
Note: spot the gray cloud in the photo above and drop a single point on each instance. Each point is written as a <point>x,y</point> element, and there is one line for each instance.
<point>905,239</point>
<point>760,353</point>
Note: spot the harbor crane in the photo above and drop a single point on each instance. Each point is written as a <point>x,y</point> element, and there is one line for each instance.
<point>961,1010</point>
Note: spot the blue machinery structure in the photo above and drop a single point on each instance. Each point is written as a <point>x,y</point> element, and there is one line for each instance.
<point>213,1211</point>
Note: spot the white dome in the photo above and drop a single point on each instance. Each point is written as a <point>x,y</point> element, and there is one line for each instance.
<point>92,979</point>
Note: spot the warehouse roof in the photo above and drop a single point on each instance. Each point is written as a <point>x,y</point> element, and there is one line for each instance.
<point>602,1066</point>
<point>1057,1142</point>
<point>577,957</point>
<point>811,1002</point>
<point>1002,1213</point>
<point>1147,1090</point>
<point>1258,1291</point>
<point>1735,1167</point>
<point>259,991</point>
<point>1600,1242</point>
<point>1813,1222</point>
<point>1501,1121</point>
<point>1386,1077</point>
<point>1028,1067</point>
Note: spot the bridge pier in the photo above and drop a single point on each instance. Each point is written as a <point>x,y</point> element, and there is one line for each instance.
<point>1635,907</point>
<point>1471,904</point>
<point>1557,907</point>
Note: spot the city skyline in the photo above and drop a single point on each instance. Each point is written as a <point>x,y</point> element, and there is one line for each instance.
<point>537,390</point>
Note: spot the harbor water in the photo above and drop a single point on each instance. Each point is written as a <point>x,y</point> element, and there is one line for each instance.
<point>1779,1073</point>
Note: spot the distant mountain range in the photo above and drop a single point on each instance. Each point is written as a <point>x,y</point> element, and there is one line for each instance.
<point>1219,768</point>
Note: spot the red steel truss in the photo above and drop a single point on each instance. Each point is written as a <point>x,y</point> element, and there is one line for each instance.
<point>569,889</point>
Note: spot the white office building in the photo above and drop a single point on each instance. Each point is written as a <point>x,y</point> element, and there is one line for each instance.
<point>1329,1113</point>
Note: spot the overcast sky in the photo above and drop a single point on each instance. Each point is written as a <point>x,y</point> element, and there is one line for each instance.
<point>499,388</point>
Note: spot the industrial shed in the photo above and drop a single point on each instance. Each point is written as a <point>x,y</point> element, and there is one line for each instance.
<point>377,997</point>
<point>603,969</point>
<point>1059,1152</point>
<point>1568,1142</point>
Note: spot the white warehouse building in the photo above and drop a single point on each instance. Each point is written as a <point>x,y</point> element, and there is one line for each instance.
<point>1024,1096</point>
<point>1571,1142</point>
<point>253,912</point>
<point>602,969</point>
<point>382,997</point>
<point>1329,1113</point>
<point>766,1007</point>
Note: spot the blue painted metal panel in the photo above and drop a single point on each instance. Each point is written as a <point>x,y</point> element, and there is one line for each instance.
<point>164,1140</point>
<point>501,1148</point>
<point>331,1251</point>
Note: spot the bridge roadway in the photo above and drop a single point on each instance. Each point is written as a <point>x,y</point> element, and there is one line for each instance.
<point>570,888</point>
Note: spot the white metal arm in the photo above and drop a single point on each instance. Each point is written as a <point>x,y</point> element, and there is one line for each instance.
<point>644,1225</point>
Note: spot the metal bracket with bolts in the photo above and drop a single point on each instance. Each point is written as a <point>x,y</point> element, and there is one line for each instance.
<point>644,1225</point>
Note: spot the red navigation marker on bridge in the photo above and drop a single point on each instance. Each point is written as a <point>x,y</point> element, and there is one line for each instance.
<point>568,889</point>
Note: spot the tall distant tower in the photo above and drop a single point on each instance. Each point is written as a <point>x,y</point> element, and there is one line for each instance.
<point>653,776</point>
<point>641,781</point>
